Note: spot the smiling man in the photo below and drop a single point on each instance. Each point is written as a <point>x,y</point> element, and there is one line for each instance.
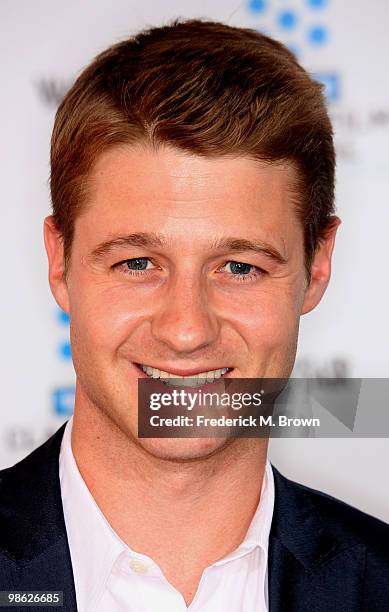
<point>192,180</point>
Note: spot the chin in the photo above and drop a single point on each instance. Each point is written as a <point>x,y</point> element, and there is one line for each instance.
<point>183,449</point>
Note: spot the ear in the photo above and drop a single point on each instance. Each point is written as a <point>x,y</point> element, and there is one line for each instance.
<point>55,256</point>
<point>321,267</point>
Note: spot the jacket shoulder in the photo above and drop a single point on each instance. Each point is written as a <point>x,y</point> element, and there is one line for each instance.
<point>348,522</point>
<point>30,501</point>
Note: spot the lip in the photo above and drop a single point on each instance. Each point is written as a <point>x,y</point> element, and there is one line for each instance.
<point>183,372</point>
<point>157,385</point>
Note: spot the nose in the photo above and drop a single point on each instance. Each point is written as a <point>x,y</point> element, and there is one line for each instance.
<point>185,322</point>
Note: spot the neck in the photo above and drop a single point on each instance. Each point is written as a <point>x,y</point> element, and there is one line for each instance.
<point>184,515</point>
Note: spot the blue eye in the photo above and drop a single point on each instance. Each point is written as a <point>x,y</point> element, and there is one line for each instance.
<point>238,267</point>
<point>137,264</point>
<point>240,271</point>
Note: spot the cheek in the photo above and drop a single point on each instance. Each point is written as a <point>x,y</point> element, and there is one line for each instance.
<point>269,317</point>
<point>103,315</point>
<point>268,311</point>
<point>274,332</point>
<point>101,324</point>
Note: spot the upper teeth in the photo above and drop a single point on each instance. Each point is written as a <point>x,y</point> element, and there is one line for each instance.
<point>194,380</point>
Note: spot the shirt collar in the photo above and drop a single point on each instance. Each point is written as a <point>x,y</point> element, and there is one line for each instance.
<point>259,529</point>
<point>257,535</point>
<point>94,546</point>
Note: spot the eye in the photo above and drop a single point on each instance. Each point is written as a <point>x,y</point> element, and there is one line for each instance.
<point>137,264</point>
<point>238,267</point>
<point>135,267</point>
<point>242,271</point>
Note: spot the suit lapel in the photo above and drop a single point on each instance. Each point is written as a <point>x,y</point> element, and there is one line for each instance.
<point>34,550</point>
<point>310,567</point>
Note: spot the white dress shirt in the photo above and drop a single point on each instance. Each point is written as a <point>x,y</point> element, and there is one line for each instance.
<point>111,577</point>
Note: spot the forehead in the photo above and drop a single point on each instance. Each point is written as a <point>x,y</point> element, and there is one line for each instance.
<point>186,195</point>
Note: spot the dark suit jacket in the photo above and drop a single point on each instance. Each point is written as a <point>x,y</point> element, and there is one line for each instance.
<point>324,556</point>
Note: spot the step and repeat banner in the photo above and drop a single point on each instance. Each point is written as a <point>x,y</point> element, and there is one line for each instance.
<point>345,44</point>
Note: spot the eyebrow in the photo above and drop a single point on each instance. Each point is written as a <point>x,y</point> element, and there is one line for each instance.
<point>150,239</point>
<point>143,239</point>
<point>258,246</point>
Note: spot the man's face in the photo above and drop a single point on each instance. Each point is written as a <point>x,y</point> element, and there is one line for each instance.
<point>183,264</point>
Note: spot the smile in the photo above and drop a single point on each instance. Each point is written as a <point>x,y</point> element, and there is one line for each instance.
<point>192,380</point>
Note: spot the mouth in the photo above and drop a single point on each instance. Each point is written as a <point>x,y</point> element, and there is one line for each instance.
<point>177,379</point>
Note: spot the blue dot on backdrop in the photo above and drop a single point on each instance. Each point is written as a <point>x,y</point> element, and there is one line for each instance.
<point>65,350</point>
<point>63,317</point>
<point>258,6</point>
<point>318,35</point>
<point>287,20</point>
<point>317,4</point>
